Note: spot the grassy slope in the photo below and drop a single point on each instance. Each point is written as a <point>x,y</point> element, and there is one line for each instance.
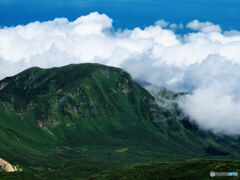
<point>93,117</point>
<point>197,169</point>
<point>192,169</point>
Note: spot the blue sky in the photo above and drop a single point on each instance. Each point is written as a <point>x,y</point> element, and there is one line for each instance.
<point>125,13</point>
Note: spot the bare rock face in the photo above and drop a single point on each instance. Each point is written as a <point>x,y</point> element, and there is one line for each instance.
<point>7,166</point>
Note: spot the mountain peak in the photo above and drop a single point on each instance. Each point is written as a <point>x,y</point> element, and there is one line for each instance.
<point>38,81</point>
<point>90,111</point>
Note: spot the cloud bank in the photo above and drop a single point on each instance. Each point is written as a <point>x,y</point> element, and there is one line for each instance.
<point>205,61</point>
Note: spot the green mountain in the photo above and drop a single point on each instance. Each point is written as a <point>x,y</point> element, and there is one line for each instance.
<point>82,120</point>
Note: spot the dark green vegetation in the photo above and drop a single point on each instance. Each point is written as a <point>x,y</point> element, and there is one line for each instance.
<point>196,169</point>
<point>88,120</point>
<point>192,169</point>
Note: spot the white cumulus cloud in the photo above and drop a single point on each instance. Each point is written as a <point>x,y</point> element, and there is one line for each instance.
<point>205,61</point>
<point>204,27</point>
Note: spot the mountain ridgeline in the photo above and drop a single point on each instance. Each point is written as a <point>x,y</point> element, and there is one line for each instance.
<point>92,117</point>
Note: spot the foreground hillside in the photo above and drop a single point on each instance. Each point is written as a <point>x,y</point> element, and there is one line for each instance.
<point>197,169</point>
<point>90,118</point>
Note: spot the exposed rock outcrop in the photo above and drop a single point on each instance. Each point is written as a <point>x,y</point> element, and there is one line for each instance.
<point>7,166</point>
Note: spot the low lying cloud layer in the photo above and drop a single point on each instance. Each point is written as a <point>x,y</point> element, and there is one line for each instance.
<point>205,62</point>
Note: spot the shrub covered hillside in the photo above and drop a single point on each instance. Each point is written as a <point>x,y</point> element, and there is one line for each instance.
<point>88,118</point>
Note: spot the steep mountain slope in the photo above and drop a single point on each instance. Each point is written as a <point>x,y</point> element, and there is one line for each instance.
<point>92,117</point>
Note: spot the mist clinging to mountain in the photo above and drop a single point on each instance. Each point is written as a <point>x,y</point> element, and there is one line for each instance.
<point>205,62</point>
